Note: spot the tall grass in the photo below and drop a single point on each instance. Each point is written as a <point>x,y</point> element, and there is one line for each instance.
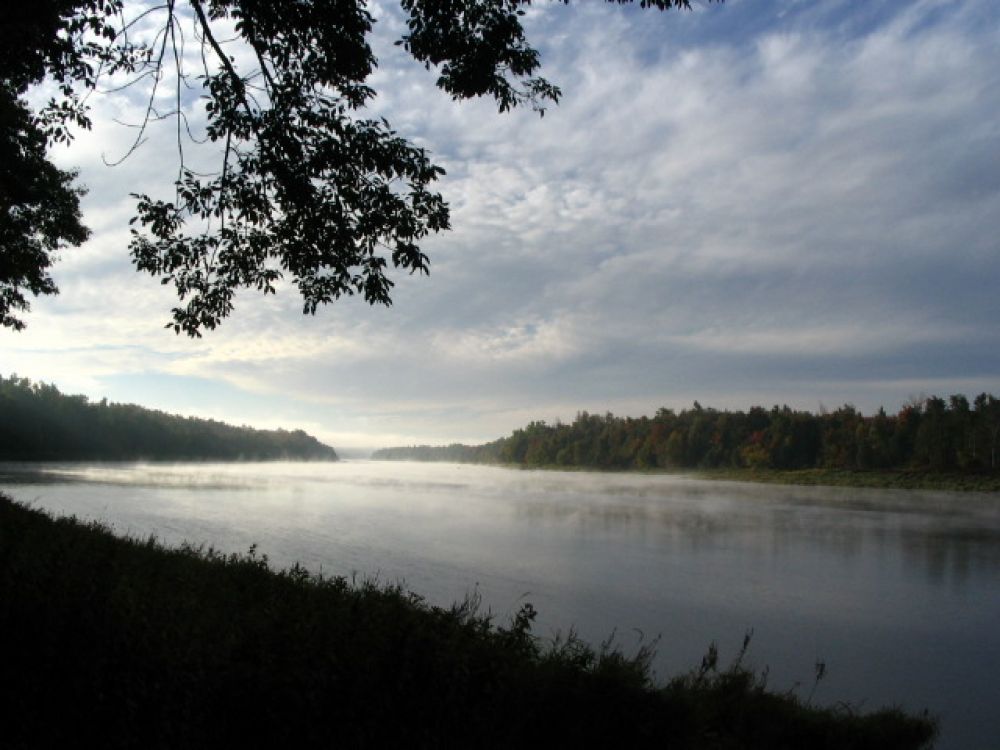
<point>123,643</point>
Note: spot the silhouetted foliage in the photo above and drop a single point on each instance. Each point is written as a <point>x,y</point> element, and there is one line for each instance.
<point>931,435</point>
<point>39,207</point>
<point>116,643</point>
<point>306,186</point>
<point>38,423</point>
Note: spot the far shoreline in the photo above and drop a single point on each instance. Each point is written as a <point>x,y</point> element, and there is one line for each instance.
<point>873,479</point>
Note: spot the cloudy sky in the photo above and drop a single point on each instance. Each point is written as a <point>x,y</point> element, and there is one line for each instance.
<point>755,203</point>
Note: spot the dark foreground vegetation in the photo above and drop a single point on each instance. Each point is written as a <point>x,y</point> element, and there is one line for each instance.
<point>930,442</point>
<point>38,423</point>
<point>121,643</point>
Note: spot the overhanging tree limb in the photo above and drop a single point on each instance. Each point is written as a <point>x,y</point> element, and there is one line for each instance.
<point>308,189</point>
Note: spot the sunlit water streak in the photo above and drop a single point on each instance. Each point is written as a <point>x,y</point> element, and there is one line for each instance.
<point>897,592</point>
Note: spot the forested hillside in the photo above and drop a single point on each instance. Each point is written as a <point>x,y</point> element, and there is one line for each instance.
<point>929,435</point>
<point>38,423</point>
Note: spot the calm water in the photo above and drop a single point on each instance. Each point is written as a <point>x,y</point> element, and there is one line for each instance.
<point>897,592</point>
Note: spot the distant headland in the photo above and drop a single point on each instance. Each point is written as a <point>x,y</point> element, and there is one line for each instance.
<point>38,423</point>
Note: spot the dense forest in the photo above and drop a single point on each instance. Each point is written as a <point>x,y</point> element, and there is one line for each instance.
<point>38,423</point>
<point>930,434</point>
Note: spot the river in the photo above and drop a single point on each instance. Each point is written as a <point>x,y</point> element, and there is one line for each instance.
<point>896,592</point>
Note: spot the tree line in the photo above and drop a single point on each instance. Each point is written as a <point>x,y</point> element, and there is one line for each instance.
<point>38,423</point>
<point>928,434</point>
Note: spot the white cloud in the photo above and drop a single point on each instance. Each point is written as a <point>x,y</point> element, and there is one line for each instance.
<point>795,202</point>
<point>535,344</point>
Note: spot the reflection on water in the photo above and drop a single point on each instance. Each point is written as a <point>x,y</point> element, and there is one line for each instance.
<point>898,592</point>
<point>948,536</point>
<point>168,476</point>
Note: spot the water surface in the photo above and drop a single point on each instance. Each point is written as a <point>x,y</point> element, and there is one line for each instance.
<point>897,592</point>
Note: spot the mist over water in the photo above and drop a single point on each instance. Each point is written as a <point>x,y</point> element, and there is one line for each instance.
<point>897,592</point>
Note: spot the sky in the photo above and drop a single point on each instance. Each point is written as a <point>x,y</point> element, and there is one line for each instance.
<point>758,202</point>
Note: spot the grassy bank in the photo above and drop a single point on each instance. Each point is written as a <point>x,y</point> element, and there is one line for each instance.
<point>117,643</point>
<point>884,479</point>
<point>878,479</point>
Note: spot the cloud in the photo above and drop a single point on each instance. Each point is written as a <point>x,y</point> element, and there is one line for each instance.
<point>751,202</point>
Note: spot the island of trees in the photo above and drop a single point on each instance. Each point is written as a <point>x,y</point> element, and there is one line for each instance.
<point>38,423</point>
<point>929,435</point>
